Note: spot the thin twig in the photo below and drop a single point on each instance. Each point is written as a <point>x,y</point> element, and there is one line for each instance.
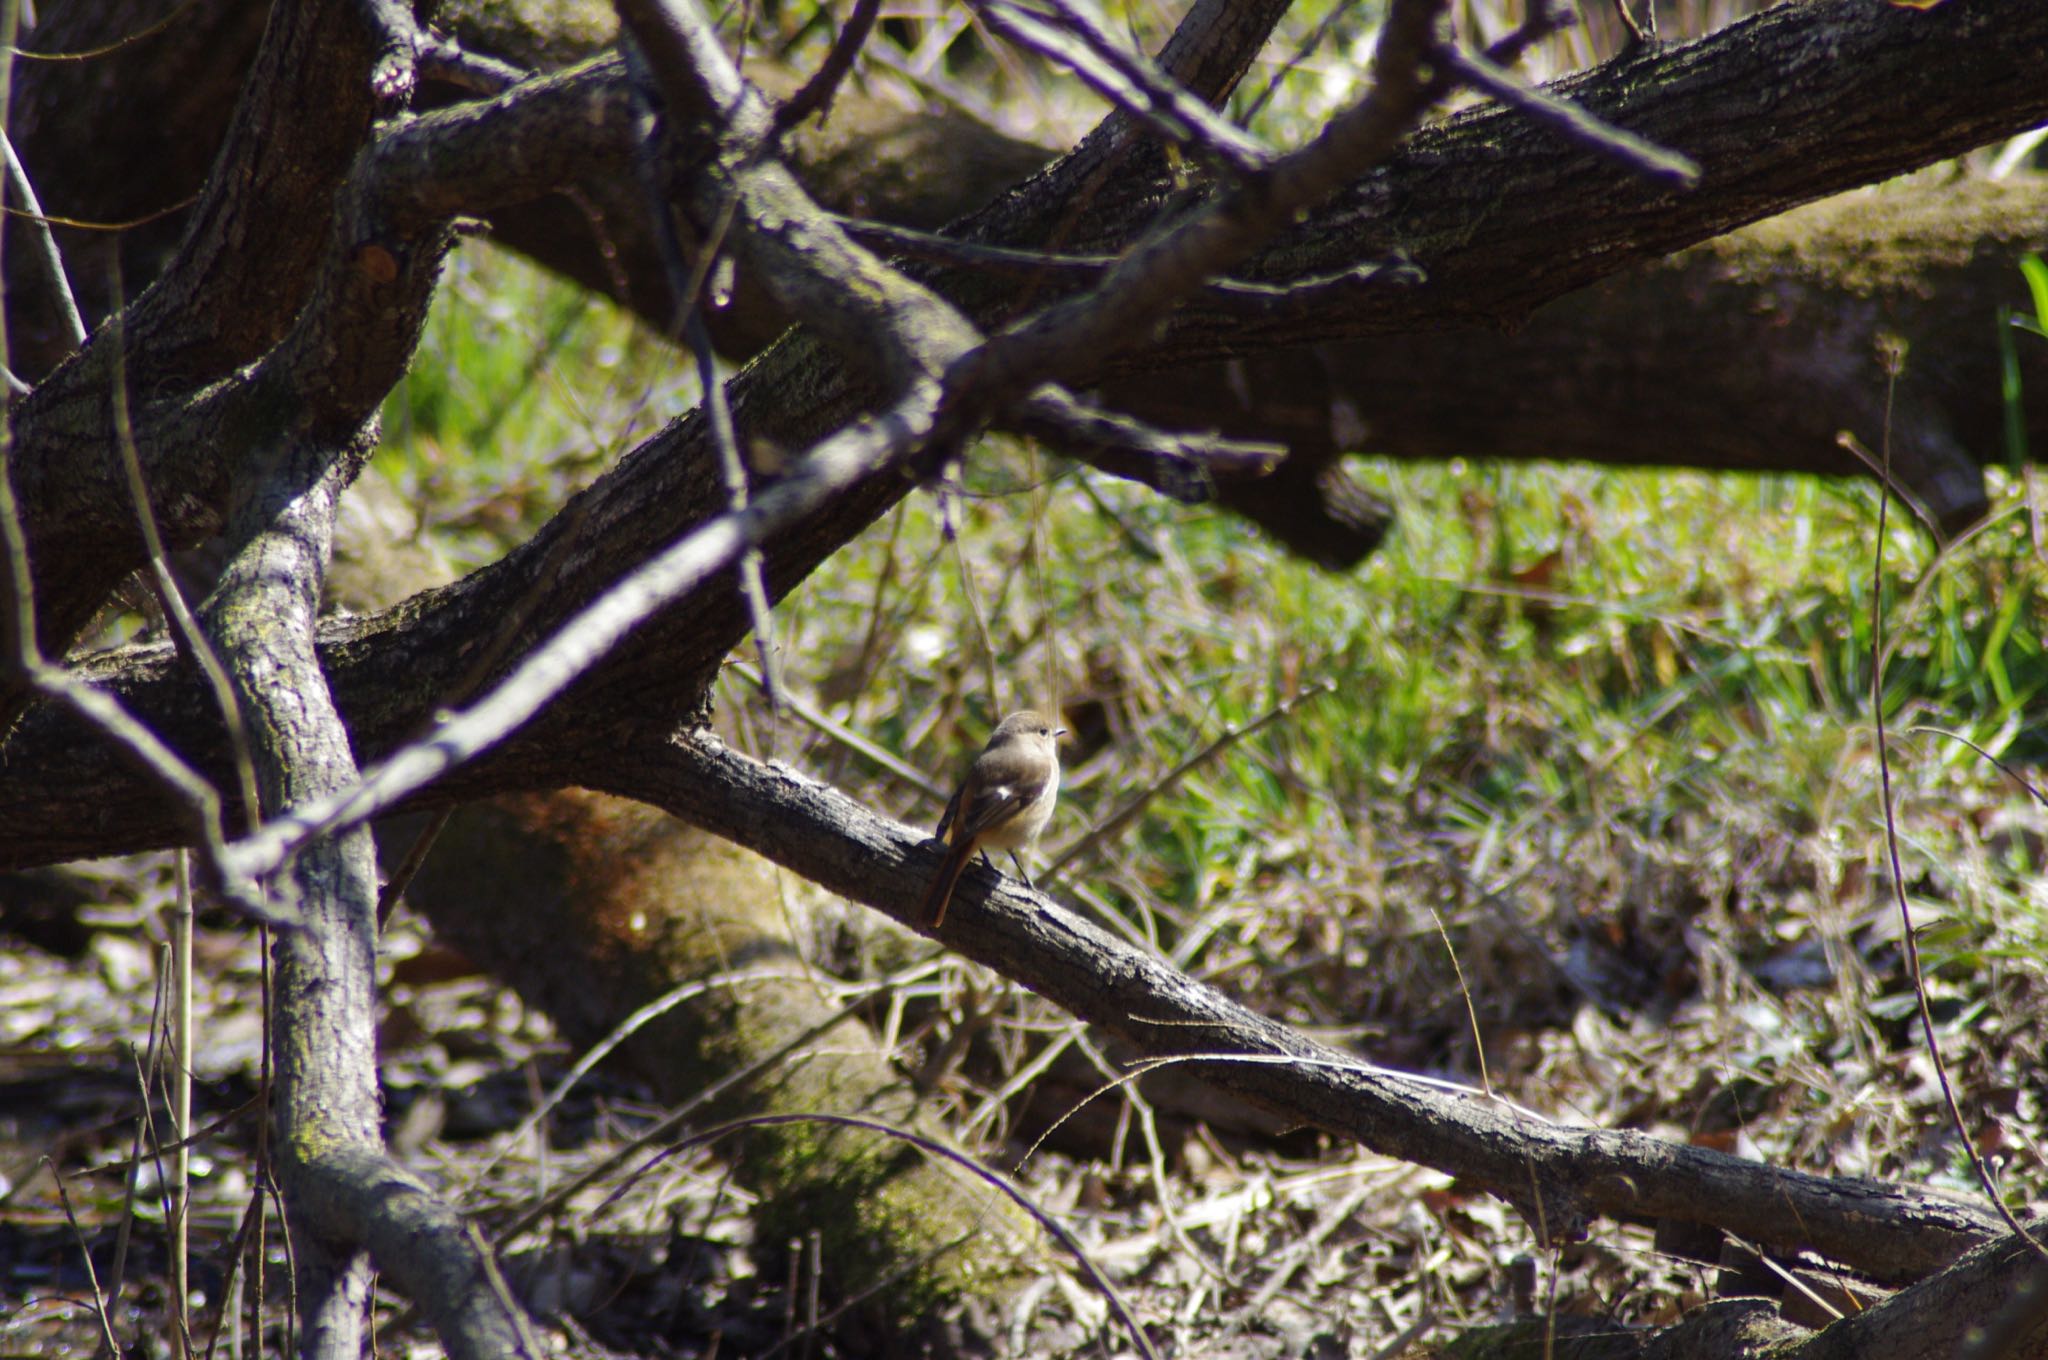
<point>181,1102</point>
<point>225,1319</point>
<point>117,1276</point>
<point>850,739</point>
<point>99,1301</point>
<point>1238,297</point>
<point>1542,19</point>
<point>1128,81</point>
<point>725,439</point>
<point>1308,45</point>
<point>1576,125</point>
<point>686,284</point>
<point>46,245</point>
<point>1181,466</point>
<point>949,529</point>
<point>191,639</point>
<point>443,58</point>
<point>1910,940</point>
<point>415,856</point>
<point>816,94</point>
<point>251,1106</point>
<point>1128,813</point>
<point>147,31</point>
<point>2008,771</point>
<point>1881,469</point>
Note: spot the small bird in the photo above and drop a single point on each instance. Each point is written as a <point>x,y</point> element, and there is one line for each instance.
<point>1004,803</point>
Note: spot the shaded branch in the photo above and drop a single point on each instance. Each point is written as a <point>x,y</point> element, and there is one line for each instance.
<point>816,94</point>
<point>344,352</point>
<point>1184,467</point>
<point>390,670</point>
<point>1128,82</point>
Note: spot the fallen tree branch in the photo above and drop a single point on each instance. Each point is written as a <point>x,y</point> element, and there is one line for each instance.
<point>1558,1177</point>
<point>390,670</point>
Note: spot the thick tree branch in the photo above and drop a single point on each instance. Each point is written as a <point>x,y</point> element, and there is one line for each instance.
<point>342,1191</point>
<point>915,330</point>
<point>1434,201</point>
<point>384,243</point>
<point>1558,1177</point>
<point>256,236</point>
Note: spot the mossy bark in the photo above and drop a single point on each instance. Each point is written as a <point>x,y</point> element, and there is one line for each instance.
<point>592,907</point>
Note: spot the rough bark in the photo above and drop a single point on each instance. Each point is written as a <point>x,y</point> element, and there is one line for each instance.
<point>343,1193</point>
<point>390,670</point>
<point>1714,348</point>
<point>592,907</point>
<point>1559,1178</point>
<point>353,322</point>
<point>1751,352</point>
<point>266,381</point>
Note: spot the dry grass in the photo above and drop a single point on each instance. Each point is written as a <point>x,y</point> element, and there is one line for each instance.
<point>1589,815</point>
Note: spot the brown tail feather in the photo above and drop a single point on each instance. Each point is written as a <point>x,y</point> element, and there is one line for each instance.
<point>940,895</point>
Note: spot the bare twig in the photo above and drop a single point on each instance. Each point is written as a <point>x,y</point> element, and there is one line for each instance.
<point>46,244</point>
<point>1076,333</point>
<point>686,284</point>
<point>226,1319</point>
<point>1242,297</point>
<point>1881,469</point>
<point>1541,19</point>
<point>443,58</point>
<point>1127,80</point>
<point>816,94</point>
<point>853,741</point>
<point>2008,771</point>
<point>1909,938</point>
<point>415,856</point>
<point>1181,466</point>
<point>1308,45</point>
<point>1570,121</point>
<point>725,439</point>
<point>1129,812</point>
<point>99,1300</point>
<point>180,1047</point>
<point>190,638</point>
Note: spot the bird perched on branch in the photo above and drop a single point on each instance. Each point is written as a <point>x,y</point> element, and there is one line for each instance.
<point>1003,804</point>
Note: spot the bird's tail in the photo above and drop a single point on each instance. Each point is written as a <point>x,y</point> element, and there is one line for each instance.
<point>940,895</point>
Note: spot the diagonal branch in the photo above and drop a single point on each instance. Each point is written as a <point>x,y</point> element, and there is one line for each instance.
<point>1486,211</point>
<point>1557,1176</point>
